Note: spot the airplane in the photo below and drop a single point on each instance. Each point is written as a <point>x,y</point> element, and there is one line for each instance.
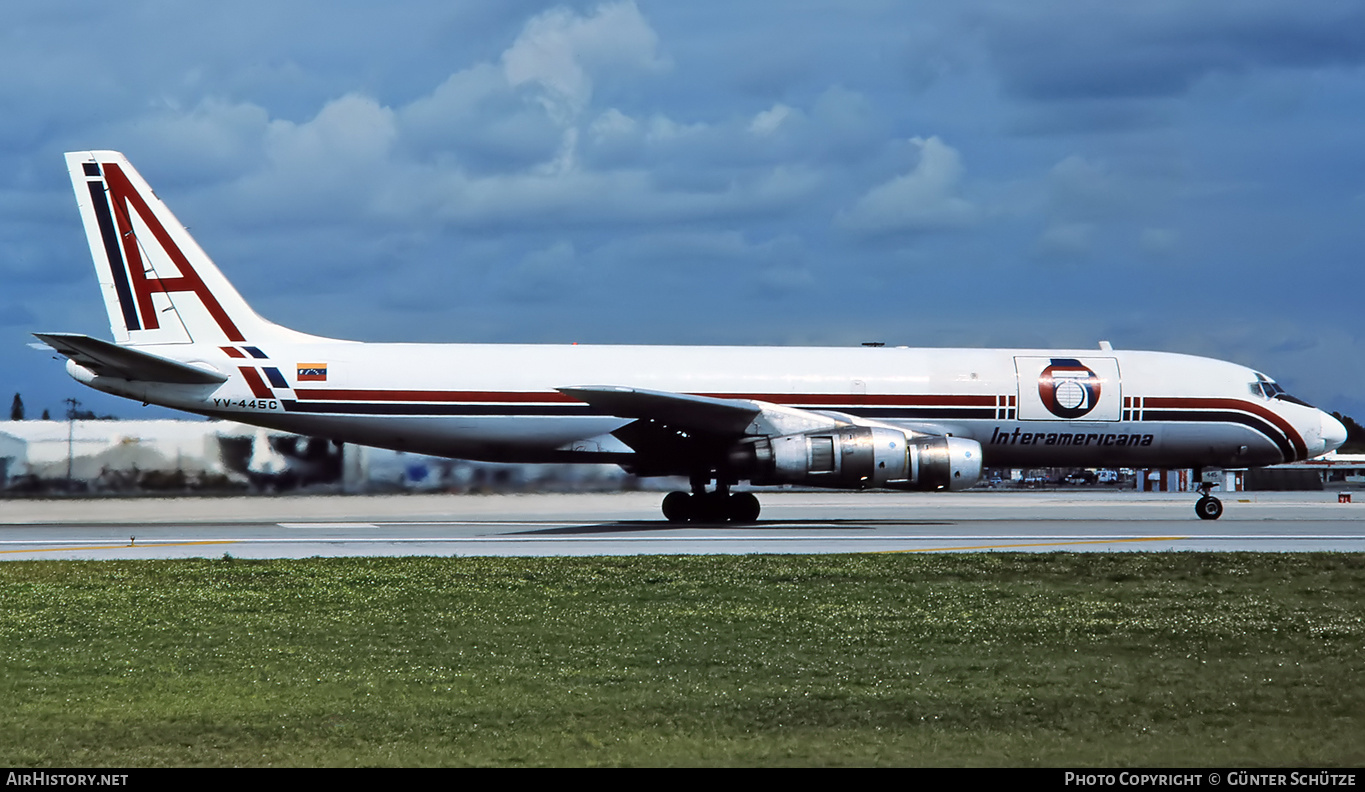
<point>870,417</point>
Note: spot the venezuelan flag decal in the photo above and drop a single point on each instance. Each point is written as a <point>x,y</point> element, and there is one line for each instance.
<point>312,372</point>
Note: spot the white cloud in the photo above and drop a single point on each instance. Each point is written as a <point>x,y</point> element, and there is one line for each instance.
<point>334,159</point>
<point>213,139</point>
<point>352,130</point>
<point>767,122</point>
<point>515,138</point>
<point>663,128</point>
<point>924,199</point>
<point>476,113</point>
<point>613,124</point>
<point>623,196</point>
<point>558,50</point>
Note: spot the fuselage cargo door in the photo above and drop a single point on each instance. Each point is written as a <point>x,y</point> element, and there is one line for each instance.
<point>1069,389</point>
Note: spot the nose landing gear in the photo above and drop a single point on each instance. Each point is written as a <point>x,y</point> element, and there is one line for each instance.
<point>1207,507</point>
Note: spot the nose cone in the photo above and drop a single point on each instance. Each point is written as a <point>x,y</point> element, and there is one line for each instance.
<point>1333,433</point>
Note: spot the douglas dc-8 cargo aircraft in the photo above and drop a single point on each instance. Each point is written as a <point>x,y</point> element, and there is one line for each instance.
<point>848,418</point>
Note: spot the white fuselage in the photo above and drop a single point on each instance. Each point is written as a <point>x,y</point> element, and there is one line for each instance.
<point>499,401</point>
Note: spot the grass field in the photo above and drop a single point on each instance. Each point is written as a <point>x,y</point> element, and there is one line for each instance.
<point>982,659</point>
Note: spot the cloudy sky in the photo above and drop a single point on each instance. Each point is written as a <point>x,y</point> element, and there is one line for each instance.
<point>1181,176</point>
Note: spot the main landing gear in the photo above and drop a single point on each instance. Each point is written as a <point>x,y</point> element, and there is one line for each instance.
<point>719,505</point>
<point>1207,507</point>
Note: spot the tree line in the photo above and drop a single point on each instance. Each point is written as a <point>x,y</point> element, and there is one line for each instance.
<point>17,412</point>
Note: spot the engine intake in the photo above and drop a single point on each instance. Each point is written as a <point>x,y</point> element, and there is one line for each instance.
<point>861,457</point>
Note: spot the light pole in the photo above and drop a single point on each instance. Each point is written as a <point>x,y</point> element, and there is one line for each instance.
<point>71,405</point>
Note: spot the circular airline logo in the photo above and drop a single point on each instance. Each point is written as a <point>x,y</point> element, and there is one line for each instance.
<point>1068,389</point>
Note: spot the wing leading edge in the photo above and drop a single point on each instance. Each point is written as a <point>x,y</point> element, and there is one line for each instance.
<point>703,415</point>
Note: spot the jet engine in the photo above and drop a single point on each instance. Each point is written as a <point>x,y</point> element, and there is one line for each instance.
<point>860,457</point>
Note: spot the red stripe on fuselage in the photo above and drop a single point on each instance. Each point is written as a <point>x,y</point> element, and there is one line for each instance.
<point>1259,410</point>
<point>253,379</point>
<point>517,397</point>
<point>431,396</point>
<point>863,399</point>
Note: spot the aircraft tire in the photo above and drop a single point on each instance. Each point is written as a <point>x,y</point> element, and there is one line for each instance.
<point>678,507</point>
<point>713,507</point>
<point>744,507</point>
<point>1208,508</point>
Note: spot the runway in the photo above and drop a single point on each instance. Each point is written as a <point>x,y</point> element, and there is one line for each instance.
<point>629,524</point>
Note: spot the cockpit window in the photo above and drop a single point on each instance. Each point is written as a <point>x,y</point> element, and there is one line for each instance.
<point>1268,389</point>
<point>1286,397</point>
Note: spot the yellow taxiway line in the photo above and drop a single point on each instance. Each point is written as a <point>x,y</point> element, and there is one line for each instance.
<point>121,546</point>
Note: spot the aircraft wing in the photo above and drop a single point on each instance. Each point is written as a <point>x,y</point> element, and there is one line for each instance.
<point>111,360</point>
<point>702,415</point>
<point>689,413</point>
<point>681,433</point>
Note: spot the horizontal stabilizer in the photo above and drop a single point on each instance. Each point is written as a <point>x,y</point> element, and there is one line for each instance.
<point>111,360</point>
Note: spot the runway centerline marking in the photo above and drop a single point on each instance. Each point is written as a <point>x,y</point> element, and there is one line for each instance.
<point>327,525</point>
<point>382,523</point>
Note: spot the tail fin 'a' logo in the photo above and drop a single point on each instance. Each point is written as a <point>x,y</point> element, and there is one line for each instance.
<point>146,276</point>
<point>159,286</point>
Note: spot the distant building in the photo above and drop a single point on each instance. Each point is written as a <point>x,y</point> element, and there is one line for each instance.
<point>92,446</point>
<point>13,452</point>
<point>1182,480</point>
<point>1330,470</point>
<point>1333,470</point>
<point>118,456</point>
<point>125,456</point>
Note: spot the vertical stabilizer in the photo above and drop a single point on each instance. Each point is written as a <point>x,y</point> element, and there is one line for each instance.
<point>159,286</point>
